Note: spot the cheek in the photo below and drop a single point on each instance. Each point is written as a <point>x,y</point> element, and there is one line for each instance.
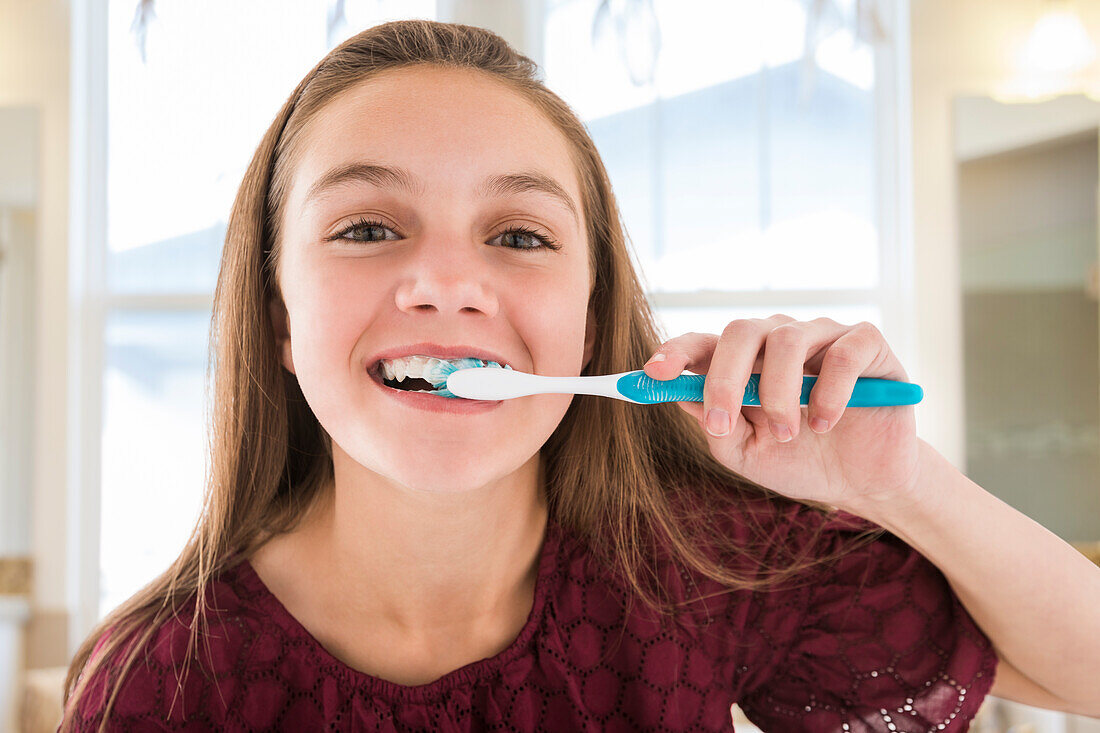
<point>330,317</point>
<point>553,317</point>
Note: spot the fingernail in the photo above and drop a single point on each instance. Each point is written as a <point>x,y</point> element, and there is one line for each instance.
<point>818,425</point>
<point>656,357</point>
<point>718,422</point>
<point>782,432</point>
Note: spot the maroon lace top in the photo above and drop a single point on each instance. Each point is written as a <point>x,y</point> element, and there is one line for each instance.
<point>878,642</point>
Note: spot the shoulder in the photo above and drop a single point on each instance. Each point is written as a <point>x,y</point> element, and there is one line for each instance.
<point>188,670</point>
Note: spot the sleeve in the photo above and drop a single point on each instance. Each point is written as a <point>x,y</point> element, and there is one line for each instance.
<point>883,645</point>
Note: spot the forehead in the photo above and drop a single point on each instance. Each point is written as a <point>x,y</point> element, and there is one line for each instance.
<point>450,127</point>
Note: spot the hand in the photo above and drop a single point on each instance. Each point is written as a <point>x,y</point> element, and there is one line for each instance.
<point>869,457</point>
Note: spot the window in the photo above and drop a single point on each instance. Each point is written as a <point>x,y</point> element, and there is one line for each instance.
<point>182,128</point>
<point>739,200</point>
<point>741,197</point>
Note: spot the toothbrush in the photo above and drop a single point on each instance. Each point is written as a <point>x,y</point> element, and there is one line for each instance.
<point>468,378</point>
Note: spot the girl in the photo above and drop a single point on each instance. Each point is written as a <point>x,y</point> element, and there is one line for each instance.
<point>373,559</point>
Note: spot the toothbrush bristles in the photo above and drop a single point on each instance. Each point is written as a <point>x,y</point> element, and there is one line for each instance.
<point>443,369</point>
<point>440,370</point>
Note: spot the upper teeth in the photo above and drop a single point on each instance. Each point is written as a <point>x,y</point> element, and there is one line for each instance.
<point>414,367</point>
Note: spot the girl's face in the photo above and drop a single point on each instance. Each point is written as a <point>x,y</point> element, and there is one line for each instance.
<point>418,245</point>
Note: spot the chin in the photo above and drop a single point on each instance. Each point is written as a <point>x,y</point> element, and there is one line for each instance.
<point>443,479</point>
<point>448,469</point>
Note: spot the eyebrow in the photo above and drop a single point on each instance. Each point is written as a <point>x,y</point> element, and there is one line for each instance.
<point>384,176</point>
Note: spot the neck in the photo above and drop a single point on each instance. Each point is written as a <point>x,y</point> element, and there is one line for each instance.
<point>429,565</point>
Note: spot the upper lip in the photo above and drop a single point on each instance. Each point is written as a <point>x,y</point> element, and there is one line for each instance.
<point>440,352</point>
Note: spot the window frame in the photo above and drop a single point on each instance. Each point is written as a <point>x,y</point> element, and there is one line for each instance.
<point>87,250</point>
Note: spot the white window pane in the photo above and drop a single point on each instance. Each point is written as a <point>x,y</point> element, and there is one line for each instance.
<point>154,445</point>
<point>184,263</point>
<point>821,232</point>
<point>625,142</point>
<point>710,188</point>
<point>183,126</point>
<point>740,177</point>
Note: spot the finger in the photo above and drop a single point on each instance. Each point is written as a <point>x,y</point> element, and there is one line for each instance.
<point>731,365</point>
<point>786,351</point>
<point>691,351</point>
<point>852,355</point>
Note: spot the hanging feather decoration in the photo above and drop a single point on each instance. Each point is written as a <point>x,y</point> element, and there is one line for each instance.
<point>140,25</point>
<point>868,23</point>
<point>824,17</point>
<point>631,27</point>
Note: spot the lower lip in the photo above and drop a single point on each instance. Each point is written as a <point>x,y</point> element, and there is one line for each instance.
<point>436,403</point>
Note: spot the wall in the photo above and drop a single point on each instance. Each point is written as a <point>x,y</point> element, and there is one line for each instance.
<point>34,71</point>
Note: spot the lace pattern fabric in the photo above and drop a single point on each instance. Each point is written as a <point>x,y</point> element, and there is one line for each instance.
<point>877,643</point>
<point>883,645</point>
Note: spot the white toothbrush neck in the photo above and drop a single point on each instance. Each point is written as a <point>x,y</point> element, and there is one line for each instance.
<point>602,385</point>
<point>496,384</point>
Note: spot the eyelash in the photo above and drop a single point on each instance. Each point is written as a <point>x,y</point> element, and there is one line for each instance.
<point>546,242</point>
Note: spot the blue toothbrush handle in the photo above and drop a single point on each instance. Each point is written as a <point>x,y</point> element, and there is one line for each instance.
<point>868,392</point>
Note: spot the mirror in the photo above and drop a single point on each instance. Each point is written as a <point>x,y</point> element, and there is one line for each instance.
<point>1027,204</point>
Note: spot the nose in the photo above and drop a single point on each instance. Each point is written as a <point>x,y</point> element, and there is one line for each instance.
<point>447,279</point>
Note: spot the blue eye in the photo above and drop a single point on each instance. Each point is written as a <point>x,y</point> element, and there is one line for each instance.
<point>523,231</point>
<point>358,225</point>
<point>369,225</point>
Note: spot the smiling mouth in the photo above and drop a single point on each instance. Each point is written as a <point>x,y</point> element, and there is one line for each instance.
<point>420,386</point>
<point>437,369</point>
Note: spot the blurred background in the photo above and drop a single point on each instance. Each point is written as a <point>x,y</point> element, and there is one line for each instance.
<point>930,166</point>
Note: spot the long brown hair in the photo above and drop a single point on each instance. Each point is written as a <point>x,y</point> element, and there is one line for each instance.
<point>270,457</point>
